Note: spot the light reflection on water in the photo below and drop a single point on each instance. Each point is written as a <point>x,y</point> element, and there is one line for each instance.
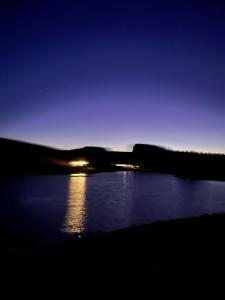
<point>58,207</point>
<point>76,212</point>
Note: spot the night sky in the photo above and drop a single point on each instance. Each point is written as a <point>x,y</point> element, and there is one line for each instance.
<point>113,73</point>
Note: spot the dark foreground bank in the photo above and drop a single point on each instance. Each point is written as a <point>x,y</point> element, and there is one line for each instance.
<point>168,247</point>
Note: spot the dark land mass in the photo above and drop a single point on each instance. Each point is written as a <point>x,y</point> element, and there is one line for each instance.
<point>18,158</point>
<point>164,248</point>
<point>193,245</point>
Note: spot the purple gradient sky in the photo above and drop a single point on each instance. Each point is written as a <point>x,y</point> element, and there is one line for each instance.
<point>113,73</point>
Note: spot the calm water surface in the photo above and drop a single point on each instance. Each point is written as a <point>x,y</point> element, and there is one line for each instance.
<point>55,207</point>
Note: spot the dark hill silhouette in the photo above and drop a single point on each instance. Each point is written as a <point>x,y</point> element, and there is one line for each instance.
<point>186,164</point>
<point>25,158</point>
<point>21,158</point>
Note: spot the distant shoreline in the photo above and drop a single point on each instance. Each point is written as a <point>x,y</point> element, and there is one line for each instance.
<point>183,176</point>
<point>20,158</point>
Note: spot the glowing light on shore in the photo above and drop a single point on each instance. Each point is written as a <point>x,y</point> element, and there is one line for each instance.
<point>127,166</point>
<point>78,163</point>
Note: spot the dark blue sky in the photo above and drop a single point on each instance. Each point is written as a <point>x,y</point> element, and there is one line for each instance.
<point>113,73</point>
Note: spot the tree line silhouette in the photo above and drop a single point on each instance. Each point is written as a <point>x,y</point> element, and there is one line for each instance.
<point>25,158</point>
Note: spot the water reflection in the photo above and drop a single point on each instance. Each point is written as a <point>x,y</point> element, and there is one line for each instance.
<point>42,207</point>
<point>76,211</point>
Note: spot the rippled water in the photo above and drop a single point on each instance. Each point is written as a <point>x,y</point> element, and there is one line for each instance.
<point>52,207</point>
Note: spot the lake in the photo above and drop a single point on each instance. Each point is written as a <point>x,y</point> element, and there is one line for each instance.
<point>50,208</point>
